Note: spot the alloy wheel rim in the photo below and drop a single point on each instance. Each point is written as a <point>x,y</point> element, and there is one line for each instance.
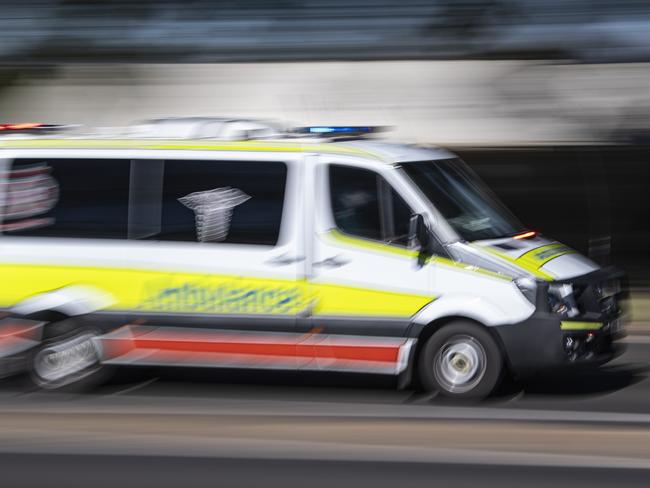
<point>460,364</point>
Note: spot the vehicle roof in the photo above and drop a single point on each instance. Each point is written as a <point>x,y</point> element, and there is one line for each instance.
<point>378,150</point>
<point>397,152</point>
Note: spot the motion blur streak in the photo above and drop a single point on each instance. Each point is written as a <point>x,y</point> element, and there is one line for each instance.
<point>18,335</point>
<point>430,101</point>
<point>548,101</point>
<point>170,346</point>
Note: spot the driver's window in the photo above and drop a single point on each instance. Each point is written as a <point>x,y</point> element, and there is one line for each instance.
<point>401,217</point>
<point>365,205</point>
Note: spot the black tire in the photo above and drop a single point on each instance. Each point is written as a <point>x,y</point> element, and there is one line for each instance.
<point>461,360</point>
<point>66,335</point>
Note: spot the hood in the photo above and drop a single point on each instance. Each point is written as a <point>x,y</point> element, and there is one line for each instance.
<point>540,257</point>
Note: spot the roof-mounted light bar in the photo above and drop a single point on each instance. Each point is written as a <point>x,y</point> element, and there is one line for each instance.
<point>338,131</point>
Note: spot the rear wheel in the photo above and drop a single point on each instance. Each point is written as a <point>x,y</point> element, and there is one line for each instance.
<point>68,358</point>
<point>461,360</point>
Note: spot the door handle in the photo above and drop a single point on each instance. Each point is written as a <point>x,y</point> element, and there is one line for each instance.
<point>332,262</point>
<point>284,260</point>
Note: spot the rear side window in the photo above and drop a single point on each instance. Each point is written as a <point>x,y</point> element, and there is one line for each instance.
<point>365,205</point>
<point>222,201</point>
<point>84,198</point>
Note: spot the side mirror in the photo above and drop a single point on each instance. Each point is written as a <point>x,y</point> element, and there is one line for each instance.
<point>420,238</point>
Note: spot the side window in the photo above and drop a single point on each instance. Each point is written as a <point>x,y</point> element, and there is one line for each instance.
<point>222,201</point>
<point>82,198</point>
<point>355,201</point>
<point>365,205</point>
<point>401,218</point>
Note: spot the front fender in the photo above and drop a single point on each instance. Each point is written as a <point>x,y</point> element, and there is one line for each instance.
<point>472,307</point>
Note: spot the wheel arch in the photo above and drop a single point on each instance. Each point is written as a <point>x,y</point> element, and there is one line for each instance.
<point>68,301</point>
<point>423,332</point>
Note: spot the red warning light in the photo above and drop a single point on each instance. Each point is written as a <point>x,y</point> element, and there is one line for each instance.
<point>21,126</point>
<point>24,125</point>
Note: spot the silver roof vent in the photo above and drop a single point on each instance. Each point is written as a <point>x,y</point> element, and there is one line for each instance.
<point>220,128</point>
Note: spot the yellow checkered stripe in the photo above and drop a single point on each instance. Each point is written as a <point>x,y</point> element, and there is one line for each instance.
<point>193,293</point>
<point>533,260</point>
<point>380,247</point>
<point>183,145</point>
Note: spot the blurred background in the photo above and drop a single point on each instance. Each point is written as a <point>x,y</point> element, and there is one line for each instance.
<point>548,100</point>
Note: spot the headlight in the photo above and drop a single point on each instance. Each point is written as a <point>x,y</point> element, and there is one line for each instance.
<point>528,287</point>
<point>561,300</point>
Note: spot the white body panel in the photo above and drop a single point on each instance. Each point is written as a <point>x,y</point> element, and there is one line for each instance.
<point>565,264</point>
<point>569,266</point>
<point>285,261</point>
<point>485,299</point>
<point>356,266</point>
<point>306,256</point>
<point>456,292</point>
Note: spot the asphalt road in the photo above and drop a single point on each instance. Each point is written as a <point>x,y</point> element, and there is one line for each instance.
<point>111,471</point>
<point>150,427</point>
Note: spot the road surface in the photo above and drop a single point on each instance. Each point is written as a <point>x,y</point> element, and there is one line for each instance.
<point>150,427</point>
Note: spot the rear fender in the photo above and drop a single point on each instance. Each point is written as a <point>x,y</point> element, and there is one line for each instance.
<point>70,301</point>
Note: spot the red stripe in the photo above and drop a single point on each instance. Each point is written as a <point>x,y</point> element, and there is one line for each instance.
<point>218,347</point>
<point>186,357</point>
<point>14,332</point>
<point>386,354</point>
<point>20,327</point>
<point>257,347</point>
<point>365,353</point>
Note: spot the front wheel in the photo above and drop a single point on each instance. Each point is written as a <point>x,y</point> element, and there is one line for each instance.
<point>461,360</point>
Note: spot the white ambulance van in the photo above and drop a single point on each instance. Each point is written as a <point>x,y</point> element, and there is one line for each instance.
<point>320,250</point>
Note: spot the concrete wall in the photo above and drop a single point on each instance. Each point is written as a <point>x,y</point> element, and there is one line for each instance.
<point>466,102</point>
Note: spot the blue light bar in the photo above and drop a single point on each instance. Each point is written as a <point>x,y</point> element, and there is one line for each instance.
<point>323,130</point>
<point>334,130</point>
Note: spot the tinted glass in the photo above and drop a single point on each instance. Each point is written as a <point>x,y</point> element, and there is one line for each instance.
<point>401,217</point>
<point>462,199</point>
<point>85,198</point>
<point>364,205</point>
<point>355,201</point>
<point>222,201</point>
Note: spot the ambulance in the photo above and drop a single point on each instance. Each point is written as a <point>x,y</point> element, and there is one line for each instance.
<point>321,249</point>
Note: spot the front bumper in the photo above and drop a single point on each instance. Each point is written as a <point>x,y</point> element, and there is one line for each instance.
<point>544,342</point>
<point>540,344</point>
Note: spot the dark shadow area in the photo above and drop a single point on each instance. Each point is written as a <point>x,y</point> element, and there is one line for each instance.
<point>262,385</point>
<point>597,382</point>
<point>590,197</point>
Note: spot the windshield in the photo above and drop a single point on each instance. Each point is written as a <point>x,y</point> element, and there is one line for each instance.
<point>462,199</point>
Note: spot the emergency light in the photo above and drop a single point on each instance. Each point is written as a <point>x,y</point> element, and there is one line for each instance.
<point>335,130</point>
<point>32,128</point>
